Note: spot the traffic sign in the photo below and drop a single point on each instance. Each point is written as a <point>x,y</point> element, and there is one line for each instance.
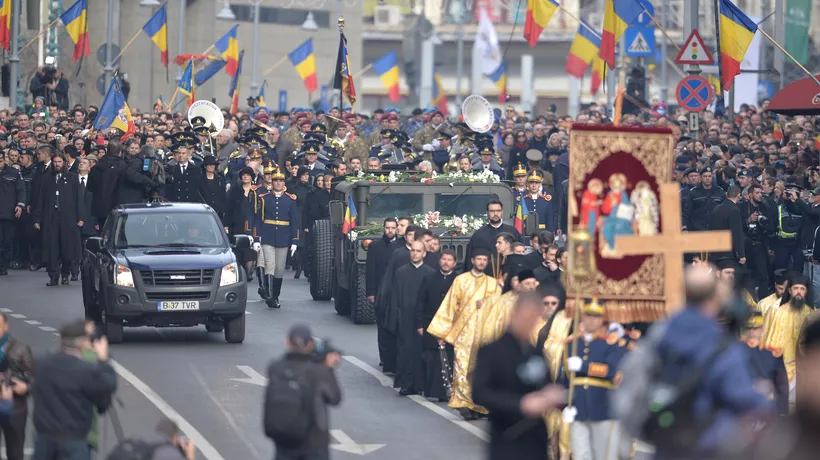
<point>694,51</point>
<point>640,41</point>
<point>694,93</point>
<point>644,19</point>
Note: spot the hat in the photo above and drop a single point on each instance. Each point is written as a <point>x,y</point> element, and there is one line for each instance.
<point>417,111</point>
<point>534,155</point>
<point>705,170</point>
<point>73,330</point>
<point>183,137</point>
<point>308,148</point>
<point>799,278</point>
<point>246,171</point>
<point>816,191</point>
<point>210,160</point>
<point>468,137</point>
<point>175,148</point>
<point>320,138</point>
<point>318,128</point>
<point>794,187</point>
<point>270,168</point>
<point>254,154</point>
<point>525,274</point>
<point>681,159</point>
<point>487,149</point>
<point>480,252</point>
<point>520,171</point>
<point>256,131</point>
<point>534,177</point>
<point>755,321</point>
<point>727,263</point>
<point>744,173</point>
<point>780,276</point>
<point>386,133</point>
<point>198,125</point>
<point>300,335</point>
<point>593,308</point>
<point>443,134</point>
<point>304,121</point>
<point>690,171</point>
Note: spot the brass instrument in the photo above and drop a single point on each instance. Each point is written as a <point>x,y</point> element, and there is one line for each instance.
<point>332,125</point>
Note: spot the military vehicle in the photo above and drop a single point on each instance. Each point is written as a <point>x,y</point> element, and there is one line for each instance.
<point>339,257</point>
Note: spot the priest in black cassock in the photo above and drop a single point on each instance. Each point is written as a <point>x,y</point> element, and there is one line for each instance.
<point>378,254</point>
<point>432,292</point>
<point>60,213</point>
<point>401,320</point>
<point>486,236</point>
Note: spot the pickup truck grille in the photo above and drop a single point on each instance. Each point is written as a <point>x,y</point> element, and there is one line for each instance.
<point>158,296</point>
<point>177,277</point>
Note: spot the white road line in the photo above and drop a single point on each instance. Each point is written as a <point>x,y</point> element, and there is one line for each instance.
<point>17,315</point>
<point>208,451</point>
<point>32,322</point>
<point>47,329</point>
<point>5,310</point>
<point>438,410</point>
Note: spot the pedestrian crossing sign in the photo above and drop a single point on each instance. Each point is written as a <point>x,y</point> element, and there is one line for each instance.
<point>640,41</point>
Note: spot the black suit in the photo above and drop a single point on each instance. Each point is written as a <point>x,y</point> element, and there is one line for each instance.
<point>498,386</point>
<point>89,226</point>
<point>726,216</point>
<point>135,186</point>
<point>184,187</point>
<point>485,238</point>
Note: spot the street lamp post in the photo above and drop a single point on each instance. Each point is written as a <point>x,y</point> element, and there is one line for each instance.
<point>109,38</point>
<point>255,50</point>
<point>14,60</point>
<point>181,42</point>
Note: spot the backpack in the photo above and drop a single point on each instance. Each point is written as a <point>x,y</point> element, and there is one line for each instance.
<point>288,405</point>
<point>135,449</point>
<point>656,410</point>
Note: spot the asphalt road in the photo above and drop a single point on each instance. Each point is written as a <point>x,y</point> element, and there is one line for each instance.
<point>215,389</point>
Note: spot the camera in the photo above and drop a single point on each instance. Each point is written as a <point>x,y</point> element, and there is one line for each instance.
<point>323,347</point>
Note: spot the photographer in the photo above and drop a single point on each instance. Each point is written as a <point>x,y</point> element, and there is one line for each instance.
<point>68,389</point>
<point>300,387</point>
<point>167,443</point>
<point>17,365</point>
<point>136,181</point>
<point>50,84</point>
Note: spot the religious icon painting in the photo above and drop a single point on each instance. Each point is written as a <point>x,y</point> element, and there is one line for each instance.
<point>614,179</point>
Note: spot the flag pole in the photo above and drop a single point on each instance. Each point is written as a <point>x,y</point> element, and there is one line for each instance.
<point>274,66</point>
<point>127,45</point>
<point>41,32</point>
<point>584,24</point>
<point>665,34</point>
<point>364,69</point>
<point>717,45</point>
<point>788,55</point>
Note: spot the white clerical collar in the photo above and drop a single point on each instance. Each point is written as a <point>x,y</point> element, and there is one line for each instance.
<point>497,226</point>
<point>476,274</point>
<point>417,265</point>
<point>445,273</point>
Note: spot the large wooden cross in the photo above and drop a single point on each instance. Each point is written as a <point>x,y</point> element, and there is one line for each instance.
<point>672,243</point>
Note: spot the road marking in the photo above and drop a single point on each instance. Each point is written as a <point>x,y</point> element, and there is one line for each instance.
<point>253,377</point>
<point>5,310</point>
<point>32,322</point>
<point>346,444</point>
<point>17,315</point>
<point>422,401</point>
<point>48,329</point>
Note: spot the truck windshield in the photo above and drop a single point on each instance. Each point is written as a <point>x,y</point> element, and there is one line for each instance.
<point>387,205</point>
<point>168,230</point>
<point>472,205</point>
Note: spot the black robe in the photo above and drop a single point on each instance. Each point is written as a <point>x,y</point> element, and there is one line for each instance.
<point>387,339</point>
<point>432,293</point>
<point>61,238</point>
<point>377,258</point>
<point>485,238</point>
<point>404,303</point>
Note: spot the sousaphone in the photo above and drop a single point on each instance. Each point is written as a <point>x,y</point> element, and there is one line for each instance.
<point>214,120</point>
<point>478,113</point>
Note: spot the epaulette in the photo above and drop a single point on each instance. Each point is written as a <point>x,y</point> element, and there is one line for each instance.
<point>292,196</point>
<point>235,154</point>
<point>776,352</point>
<point>547,196</point>
<point>612,339</point>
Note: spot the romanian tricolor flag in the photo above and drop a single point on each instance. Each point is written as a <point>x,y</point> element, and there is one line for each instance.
<point>439,98</point>
<point>305,62</point>
<point>736,34</point>
<point>598,69</point>
<point>186,82</point>
<point>114,112</point>
<point>539,13</point>
<point>387,67</point>
<point>260,98</point>
<point>75,20</point>
<point>5,24</point>
<point>350,216</point>
<point>777,133</point>
<point>585,48</point>
<point>228,46</point>
<point>715,82</point>
<point>343,79</point>
<point>233,92</point>
<point>159,104</point>
<point>521,215</point>
<point>157,29</point>
<point>499,78</point>
<point>618,15</point>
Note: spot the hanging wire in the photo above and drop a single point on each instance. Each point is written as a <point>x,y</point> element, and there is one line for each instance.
<point>512,32</point>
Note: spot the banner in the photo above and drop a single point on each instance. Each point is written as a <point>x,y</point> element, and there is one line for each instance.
<point>798,20</point>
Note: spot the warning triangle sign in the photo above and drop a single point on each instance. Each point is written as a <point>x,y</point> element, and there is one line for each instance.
<point>639,45</point>
<point>694,51</point>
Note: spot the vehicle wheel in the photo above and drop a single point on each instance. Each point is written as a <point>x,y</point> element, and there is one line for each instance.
<point>361,310</point>
<point>321,280</point>
<point>235,329</point>
<point>341,298</point>
<point>112,327</point>
<point>214,327</point>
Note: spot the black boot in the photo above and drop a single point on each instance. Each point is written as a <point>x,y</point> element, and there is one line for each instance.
<point>64,281</point>
<point>53,279</point>
<point>263,287</point>
<point>275,288</point>
<point>250,274</point>
<point>297,265</point>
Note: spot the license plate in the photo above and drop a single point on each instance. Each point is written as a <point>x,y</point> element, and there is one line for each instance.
<point>176,305</point>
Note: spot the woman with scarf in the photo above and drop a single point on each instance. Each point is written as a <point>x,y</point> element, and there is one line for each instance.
<point>299,186</point>
<point>212,189</point>
<point>518,152</point>
<point>240,218</point>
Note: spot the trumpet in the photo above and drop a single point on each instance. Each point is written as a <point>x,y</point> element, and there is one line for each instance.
<point>332,125</point>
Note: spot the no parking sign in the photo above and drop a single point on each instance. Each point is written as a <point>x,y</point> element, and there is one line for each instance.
<point>694,93</point>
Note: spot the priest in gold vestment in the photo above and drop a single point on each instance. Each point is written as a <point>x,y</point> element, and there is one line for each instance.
<point>457,323</point>
<point>773,300</point>
<point>553,332</point>
<point>782,324</point>
<point>494,313</point>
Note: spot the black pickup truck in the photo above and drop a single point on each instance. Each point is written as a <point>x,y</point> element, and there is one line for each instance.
<point>164,265</point>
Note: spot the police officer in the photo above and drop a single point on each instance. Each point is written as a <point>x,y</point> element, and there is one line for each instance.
<point>12,204</point>
<point>758,228</point>
<point>790,214</point>
<point>183,177</point>
<point>698,207</point>
<point>279,227</point>
<point>539,204</point>
<point>236,161</point>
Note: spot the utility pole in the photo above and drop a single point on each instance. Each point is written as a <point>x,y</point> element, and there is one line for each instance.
<point>459,52</point>
<point>664,64</point>
<point>780,36</point>
<point>14,60</point>
<point>181,38</point>
<point>109,39</point>
<point>255,50</point>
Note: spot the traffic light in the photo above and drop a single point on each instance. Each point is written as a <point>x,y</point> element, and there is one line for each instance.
<point>410,75</point>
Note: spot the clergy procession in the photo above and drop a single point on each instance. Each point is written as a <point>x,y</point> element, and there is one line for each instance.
<point>582,280</point>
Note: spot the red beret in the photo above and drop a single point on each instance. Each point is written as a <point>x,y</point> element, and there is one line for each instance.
<point>392,117</point>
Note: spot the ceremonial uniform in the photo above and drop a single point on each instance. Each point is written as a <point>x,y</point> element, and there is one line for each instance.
<point>540,205</point>
<point>594,433</point>
<point>279,227</point>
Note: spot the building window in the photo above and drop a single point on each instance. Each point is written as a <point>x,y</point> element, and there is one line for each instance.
<point>284,16</point>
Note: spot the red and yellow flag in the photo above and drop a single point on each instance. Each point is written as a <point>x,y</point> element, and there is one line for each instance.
<point>539,13</point>
<point>75,20</point>
<point>5,24</point>
<point>736,34</point>
<point>618,15</point>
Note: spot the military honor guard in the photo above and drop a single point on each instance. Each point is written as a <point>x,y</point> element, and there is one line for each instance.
<point>591,372</point>
<point>278,229</point>
<point>236,161</point>
<point>766,363</point>
<point>539,203</point>
<point>441,150</point>
<point>204,143</point>
<point>519,188</point>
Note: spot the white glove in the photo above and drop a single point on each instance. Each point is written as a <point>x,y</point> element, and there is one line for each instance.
<point>257,246</point>
<point>617,328</point>
<point>574,364</point>
<point>568,414</point>
<point>428,147</point>
<point>292,249</point>
<point>436,143</point>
